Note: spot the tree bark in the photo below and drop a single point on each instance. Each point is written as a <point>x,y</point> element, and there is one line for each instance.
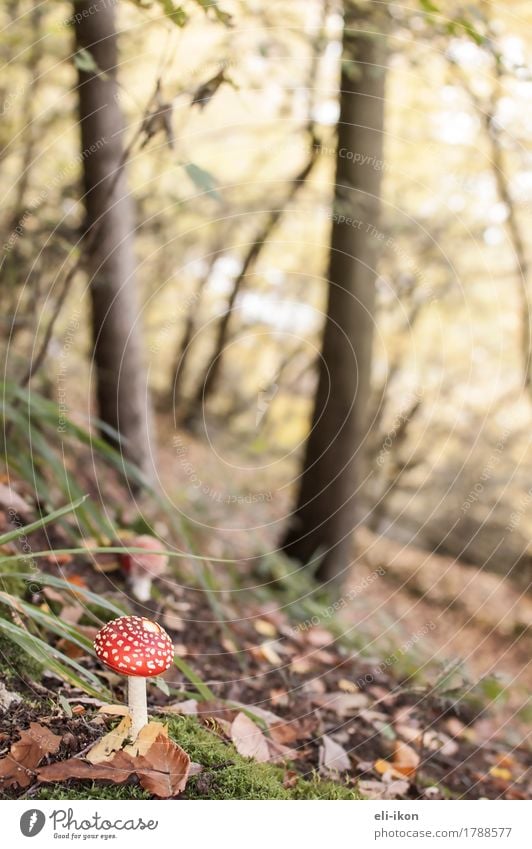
<point>122,393</point>
<point>322,523</point>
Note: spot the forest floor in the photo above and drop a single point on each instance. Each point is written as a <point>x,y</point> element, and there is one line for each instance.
<point>289,692</point>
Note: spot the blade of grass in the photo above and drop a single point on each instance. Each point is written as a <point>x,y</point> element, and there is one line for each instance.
<point>205,692</point>
<point>40,523</point>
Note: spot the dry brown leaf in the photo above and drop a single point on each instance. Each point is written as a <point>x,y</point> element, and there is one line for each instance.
<point>173,621</point>
<point>379,790</point>
<point>146,738</point>
<point>405,758</point>
<point>386,768</point>
<point>58,559</point>
<point>17,767</point>
<point>215,709</point>
<point>319,637</point>
<point>289,732</point>
<point>72,650</point>
<point>267,652</point>
<point>347,686</point>
<point>290,779</point>
<point>279,697</point>
<point>265,628</point>
<point>111,742</point>
<point>114,710</point>
<point>163,771</point>
<point>300,665</point>
<point>501,772</point>
<point>248,739</point>
<point>343,704</point>
<point>333,757</point>
<point>116,770</point>
<point>187,708</point>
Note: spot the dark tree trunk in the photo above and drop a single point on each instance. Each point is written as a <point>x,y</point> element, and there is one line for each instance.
<point>117,335</point>
<point>324,518</point>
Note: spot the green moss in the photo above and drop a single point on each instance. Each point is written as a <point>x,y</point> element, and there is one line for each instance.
<point>77,790</point>
<point>226,775</point>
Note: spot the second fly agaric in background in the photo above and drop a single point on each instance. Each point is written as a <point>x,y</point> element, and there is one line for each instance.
<point>141,568</point>
<point>140,649</point>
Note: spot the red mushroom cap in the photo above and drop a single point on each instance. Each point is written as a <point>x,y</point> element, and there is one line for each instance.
<point>133,645</point>
<point>153,564</point>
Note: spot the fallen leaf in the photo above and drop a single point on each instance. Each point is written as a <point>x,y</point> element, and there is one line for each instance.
<point>58,559</point>
<point>17,767</point>
<point>248,739</point>
<point>289,732</point>
<point>501,772</point>
<point>379,790</point>
<point>146,738</point>
<point>265,628</point>
<point>163,771</point>
<point>343,704</point>
<point>173,621</point>
<point>279,697</point>
<point>332,756</point>
<point>319,637</point>
<point>290,779</point>
<point>114,710</point>
<point>189,707</point>
<point>409,732</point>
<point>116,770</point>
<point>384,767</point>
<point>347,686</point>
<point>110,742</point>
<point>266,652</point>
<point>405,758</point>
<point>72,650</point>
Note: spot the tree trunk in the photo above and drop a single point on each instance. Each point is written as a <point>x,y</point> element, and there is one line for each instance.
<point>322,523</point>
<point>122,393</point>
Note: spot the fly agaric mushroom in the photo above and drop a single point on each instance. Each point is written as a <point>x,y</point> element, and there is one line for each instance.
<point>140,569</point>
<point>139,648</point>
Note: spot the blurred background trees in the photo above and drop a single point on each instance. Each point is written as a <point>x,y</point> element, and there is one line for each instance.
<point>209,283</point>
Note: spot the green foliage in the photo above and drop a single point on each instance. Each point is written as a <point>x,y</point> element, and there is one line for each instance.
<point>84,61</point>
<point>202,179</point>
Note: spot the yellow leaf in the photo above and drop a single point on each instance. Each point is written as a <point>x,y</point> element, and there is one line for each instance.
<point>262,626</point>
<point>501,772</point>
<point>347,686</point>
<point>105,748</point>
<point>381,766</point>
<point>146,738</point>
<point>114,710</point>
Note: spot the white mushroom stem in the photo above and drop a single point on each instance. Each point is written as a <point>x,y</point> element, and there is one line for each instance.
<point>137,703</point>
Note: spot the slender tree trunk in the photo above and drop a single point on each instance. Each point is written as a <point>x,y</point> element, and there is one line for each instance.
<point>117,336</point>
<point>324,518</point>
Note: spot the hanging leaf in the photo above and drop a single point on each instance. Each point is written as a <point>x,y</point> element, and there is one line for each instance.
<point>202,179</point>
<point>84,61</point>
<point>176,13</point>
